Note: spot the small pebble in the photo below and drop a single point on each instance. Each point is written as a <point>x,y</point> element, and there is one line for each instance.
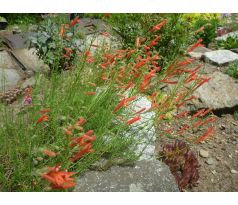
<point>203,153</point>
<point>233,171</point>
<point>210,161</point>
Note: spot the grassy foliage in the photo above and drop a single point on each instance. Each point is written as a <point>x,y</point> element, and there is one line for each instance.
<point>99,88</point>
<point>232,69</point>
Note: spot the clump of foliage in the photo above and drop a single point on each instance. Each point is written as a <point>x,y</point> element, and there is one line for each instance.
<point>72,119</point>
<point>229,43</point>
<point>182,162</point>
<point>55,44</point>
<point>232,69</point>
<point>22,20</point>
<point>175,35</point>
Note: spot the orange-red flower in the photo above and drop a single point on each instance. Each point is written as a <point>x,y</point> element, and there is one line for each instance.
<point>159,26</point>
<point>59,179</point>
<point>90,93</point>
<point>62,30</point>
<point>73,22</point>
<point>209,132</point>
<point>80,122</point>
<point>49,153</point>
<point>42,119</point>
<point>124,102</point>
<point>44,111</point>
<point>133,120</point>
<point>197,44</point>
<point>84,150</point>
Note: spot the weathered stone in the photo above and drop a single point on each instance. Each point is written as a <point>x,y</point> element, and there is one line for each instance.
<point>6,61</point>
<point>233,171</point>
<point>147,176</point>
<point>8,78</point>
<point>210,161</point>
<point>144,129</point>
<point>220,57</point>
<point>29,59</point>
<point>234,50</point>
<point>203,153</point>
<point>198,52</point>
<point>233,34</point>
<point>220,92</point>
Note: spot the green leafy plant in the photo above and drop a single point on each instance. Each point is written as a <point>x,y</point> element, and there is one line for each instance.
<point>56,50</point>
<point>232,69</point>
<point>209,32</point>
<point>229,43</point>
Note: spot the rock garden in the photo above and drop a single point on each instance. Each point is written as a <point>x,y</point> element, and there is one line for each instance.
<point>119,102</point>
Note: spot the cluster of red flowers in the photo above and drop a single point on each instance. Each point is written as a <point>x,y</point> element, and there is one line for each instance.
<point>61,179</point>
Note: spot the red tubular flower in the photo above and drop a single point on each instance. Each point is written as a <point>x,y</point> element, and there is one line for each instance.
<point>211,119</point>
<point>44,111</point>
<point>182,114</point>
<point>87,54</point>
<point>86,149</point>
<point>73,22</point>
<point>198,113</point>
<point>198,123</point>
<point>129,85</point>
<point>209,131</point>
<point>124,102</point>
<point>90,93</point>
<point>133,120</point>
<point>197,44</point>
<point>159,26</point>
<point>68,131</point>
<point>129,53</point>
<point>140,64</point>
<point>140,111</point>
<point>80,122</point>
<point>59,179</point>
<point>42,119</point>
<point>49,153</point>
<point>168,82</point>
<point>62,30</point>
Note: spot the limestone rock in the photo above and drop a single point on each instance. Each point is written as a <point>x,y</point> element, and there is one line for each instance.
<point>6,61</point>
<point>8,78</point>
<point>220,92</point>
<point>203,153</point>
<point>145,176</point>
<point>233,34</point>
<point>29,59</point>
<point>198,52</point>
<point>220,57</point>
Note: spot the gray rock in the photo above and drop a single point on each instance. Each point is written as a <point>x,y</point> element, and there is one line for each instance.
<point>234,50</point>
<point>220,92</point>
<point>29,59</point>
<point>210,161</point>
<point>233,171</point>
<point>6,61</point>
<point>198,52</point>
<point>8,78</point>
<point>220,57</point>
<point>203,153</point>
<point>233,34</point>
<point>145,176</point>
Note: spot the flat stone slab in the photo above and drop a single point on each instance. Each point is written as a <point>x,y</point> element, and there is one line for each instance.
<point>220,57</point>
<point>198,52</point>
<point>219,93</point>
<point>17,41</point>
<point>29,59</point>
<point>6,61</point>
<point>8,78</point>
<point>233,34</point>
<point>145,176</point>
